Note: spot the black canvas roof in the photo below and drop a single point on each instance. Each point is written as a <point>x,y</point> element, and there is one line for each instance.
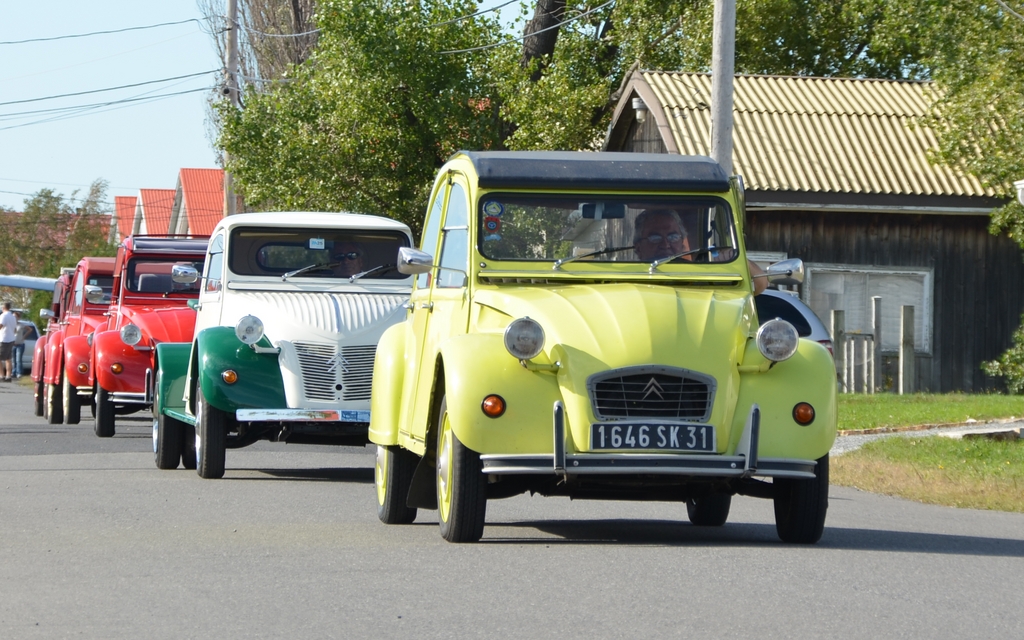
<point>597,170</point>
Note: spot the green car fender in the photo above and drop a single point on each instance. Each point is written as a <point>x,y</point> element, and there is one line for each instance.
<point>809,376</point>
<point>477,365</point>
<point>259,384</point>
<point>171,372</point>
<point>386,393</point>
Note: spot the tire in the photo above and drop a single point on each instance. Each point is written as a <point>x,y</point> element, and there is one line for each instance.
<point>393,475</point>
<point>166,441</point>
<point>711,510</point>
<point>461,485</point>
<point>40,398</point>
<point>104,421</point>
<point>188,446</point>
<point>211,438</point>
<point>800,506</point>
<point>72,404</point>
<point>54,405</point>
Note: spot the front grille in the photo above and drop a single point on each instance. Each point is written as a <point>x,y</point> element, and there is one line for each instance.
<point>319,364</point>
<point>665,393</point>
<point>357,373</point>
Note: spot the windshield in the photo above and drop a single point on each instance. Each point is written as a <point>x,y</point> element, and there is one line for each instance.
<point>606,229</point>
<point>317,253</point>
<point>153,275</point>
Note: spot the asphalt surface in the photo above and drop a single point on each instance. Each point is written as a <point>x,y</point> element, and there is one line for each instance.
<point>95,542</point>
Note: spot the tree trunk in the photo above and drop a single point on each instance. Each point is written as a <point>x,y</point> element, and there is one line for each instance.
<point>548,14</point>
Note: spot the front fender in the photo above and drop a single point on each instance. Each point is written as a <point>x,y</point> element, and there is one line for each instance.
<point>109,349</point>
<point>39,358</point>
<point>54,358</point>
<point>809,376</point>
<point>386,392</point>
<point>476,365</point>
<point>171,372</point>
<point>77,352</point>
<point>259,385</point>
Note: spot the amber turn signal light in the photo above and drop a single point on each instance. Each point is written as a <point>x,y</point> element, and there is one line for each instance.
<point>493,406</point>
<point>83,367</point>
<point>803,413</point>
<point>116,367</point>
<point>229,376</point>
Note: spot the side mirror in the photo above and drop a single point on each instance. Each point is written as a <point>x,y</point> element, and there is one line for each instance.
<point>48,314</point>
<point>786,271</point>
<point>184,274</point>
<point>413,261</point>
<point>95,295</point>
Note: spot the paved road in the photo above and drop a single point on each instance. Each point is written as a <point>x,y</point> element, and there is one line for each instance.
<point>95,542</point>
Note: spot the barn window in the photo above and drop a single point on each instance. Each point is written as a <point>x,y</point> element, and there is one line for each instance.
<point>851,287</point>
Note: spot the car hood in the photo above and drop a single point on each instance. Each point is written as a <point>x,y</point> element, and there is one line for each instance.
<point>171,324</point>
<point>618,325</point>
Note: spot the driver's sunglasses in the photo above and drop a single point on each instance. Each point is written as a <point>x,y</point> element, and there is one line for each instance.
<point>655,238</point>
<point>351,255</point>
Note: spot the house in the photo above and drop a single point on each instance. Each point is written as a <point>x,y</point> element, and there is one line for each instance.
<point>122,223</point>
<point>153,212</point>
<point>837,173</point>
<point>198,201</point>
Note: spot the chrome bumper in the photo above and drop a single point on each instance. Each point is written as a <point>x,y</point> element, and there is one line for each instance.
<point>119,397</point>
<point>301,415</point>
<point>744,464</point>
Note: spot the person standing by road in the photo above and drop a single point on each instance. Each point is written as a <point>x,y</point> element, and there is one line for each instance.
<point>8,332</point>
<point>20,335</point>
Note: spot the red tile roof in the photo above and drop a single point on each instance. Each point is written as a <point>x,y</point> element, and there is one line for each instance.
<point>124,212</point>
<point>202,198</point>
<point>156,209</point>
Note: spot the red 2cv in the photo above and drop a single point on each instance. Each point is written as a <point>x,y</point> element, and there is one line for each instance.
<point>149,307</point>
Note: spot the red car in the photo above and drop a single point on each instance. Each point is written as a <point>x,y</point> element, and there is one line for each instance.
<point>149,307</point>
<point>53,315</point>
<point>79,307</point>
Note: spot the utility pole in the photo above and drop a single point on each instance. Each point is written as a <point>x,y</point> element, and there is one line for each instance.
<point>723,68</point>
<point>231,90</point>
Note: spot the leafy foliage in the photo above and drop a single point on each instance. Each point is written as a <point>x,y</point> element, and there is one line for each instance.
<point>1010,365</point>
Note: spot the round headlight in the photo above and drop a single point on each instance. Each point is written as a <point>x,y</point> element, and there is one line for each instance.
<point>131,334</point>
<point>777,340</point>
<point>249,329</point>
<point>524,338</point>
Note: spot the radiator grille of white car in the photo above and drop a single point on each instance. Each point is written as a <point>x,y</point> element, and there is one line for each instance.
<point>320,364</point>
<point>357,373</point>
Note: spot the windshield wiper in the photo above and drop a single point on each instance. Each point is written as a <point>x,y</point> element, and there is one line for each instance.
<point>657,263</point>
<point>558,263</point>
<point>352,278</point>
<point>311,267</point>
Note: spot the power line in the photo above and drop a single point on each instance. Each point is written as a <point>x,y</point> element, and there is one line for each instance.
<point>472,15</point>
<point>280,35</point>
<point>530,35</point>
<point>124,86</point>
<point>97,33</point>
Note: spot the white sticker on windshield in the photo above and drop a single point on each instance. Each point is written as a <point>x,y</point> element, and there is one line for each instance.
<point>317,243</point>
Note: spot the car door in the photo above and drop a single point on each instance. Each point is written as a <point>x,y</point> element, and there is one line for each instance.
<point>442,309</point>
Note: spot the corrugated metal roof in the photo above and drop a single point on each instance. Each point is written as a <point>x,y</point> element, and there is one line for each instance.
<point>156,209</point>
<point>124,210</point>
<point>816,134</point>
<point>202,198</point>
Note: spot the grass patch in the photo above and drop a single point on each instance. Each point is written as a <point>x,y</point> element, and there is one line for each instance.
<point>973,473</point>
<point>859,411</point>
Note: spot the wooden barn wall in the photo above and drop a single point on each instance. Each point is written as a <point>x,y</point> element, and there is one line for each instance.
<point>643,137</point>
<point>978,295</point>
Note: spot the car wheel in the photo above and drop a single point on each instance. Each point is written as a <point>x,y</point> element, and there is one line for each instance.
<point>54,405</point>
<point>711,510</point>
<point>188,446</point>
<point>800,506</point>
<point>461,485</point>
<point>40,398</point>
<point>72,404</point>
<point>104,422</point>
<point>393,474</point>
<point>211,438</point>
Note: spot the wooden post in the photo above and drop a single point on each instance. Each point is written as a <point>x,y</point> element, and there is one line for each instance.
<point>906,361</point>
<point>865,365</point>
<point>838,330</point>
<point>877,372</point>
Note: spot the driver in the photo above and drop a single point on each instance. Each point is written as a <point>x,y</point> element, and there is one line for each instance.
<point>659,233</point>
<point>347,259</point>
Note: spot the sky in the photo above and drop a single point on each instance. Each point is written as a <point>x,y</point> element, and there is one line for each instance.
<point>133,145</point>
